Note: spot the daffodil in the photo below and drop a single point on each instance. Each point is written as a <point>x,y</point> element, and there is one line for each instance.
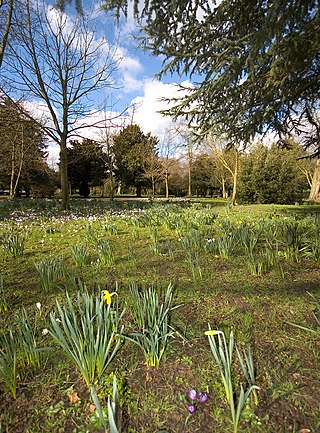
<point>107,296</point>
<point>212,332</point>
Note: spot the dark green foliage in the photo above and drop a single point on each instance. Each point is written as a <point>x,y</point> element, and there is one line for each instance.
<point>133,150</point>
<point>202,175</point>
<point>273,175</point>
<point>255,63</point>
<point>86,165</point>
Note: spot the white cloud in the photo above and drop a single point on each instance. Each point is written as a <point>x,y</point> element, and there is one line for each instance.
<point>147,107</point>
<point>129,69</point>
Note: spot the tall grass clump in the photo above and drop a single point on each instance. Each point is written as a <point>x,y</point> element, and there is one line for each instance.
<point>13,243</point>
<point>105,252</point>
<point>3,297</point>
<point>50,270</point>
<point>80,254</point>
<point>29,350</point>
<point>292,232</point>
<point>222,351</point>
<point>89,332</point>
<point>151,318</point>
<point>9,363</point>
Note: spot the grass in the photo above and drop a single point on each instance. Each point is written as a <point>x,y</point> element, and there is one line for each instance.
<point>153,245</point>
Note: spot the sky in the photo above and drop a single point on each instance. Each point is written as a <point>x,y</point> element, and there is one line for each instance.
<point>136,83</point>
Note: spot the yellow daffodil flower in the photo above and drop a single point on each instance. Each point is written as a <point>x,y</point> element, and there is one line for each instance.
<point>106,296</point>
<point>212,332</point>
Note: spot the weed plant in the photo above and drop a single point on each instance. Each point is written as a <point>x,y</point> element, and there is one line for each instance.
<point>105,253</point>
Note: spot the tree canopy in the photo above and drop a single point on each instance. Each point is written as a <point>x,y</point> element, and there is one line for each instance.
<point>86,165</point>
<point>132,151</point>
<point>255,62</point>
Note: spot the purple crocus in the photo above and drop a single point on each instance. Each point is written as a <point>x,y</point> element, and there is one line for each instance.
<point>191,409</point>
<point>203,397</point>
<point>193,394</point>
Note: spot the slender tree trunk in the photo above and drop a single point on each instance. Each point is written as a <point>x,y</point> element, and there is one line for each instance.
<point>235,179</point>
<point>153,186</point>
<point>167,183</point>
<point>111,186</point>
<point>64,174</point>
<point>6,32</point>
<point>189,170</point>
<point>13,163</point>
<point>315,187</point>
<point>224,191</point>
<point>138,190</point>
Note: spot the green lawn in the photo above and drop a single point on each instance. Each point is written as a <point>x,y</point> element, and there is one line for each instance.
<point>252,270</point>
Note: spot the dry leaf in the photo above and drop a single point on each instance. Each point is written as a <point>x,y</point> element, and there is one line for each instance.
<point>92,408</point>
<point>305,430</point>
<point>74,398</point>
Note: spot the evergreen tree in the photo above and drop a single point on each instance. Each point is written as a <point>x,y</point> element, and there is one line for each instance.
<point>255,64</point>
<point>86,165</point>
<point>274,175</point>
<point>133,150</point>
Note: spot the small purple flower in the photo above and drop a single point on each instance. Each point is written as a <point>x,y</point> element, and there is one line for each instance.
<point>203,397</point>
<point>193,394</point>
<point>191,409</point>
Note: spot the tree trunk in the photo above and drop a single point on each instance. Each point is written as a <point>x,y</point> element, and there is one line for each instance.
<point>138,190</point>
<point>189,170</point>
<point>235,179</point>
<point>111,186</point>
<point>6,31</point>
<point>153,186</point>
<point>64,174</point>
<point>224,191</point>
<point>167,184</point>
<point>315,187</point>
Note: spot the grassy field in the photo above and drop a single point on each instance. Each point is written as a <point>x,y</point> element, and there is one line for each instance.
<point>251,272</point>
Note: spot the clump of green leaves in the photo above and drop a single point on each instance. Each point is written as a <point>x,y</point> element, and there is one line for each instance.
<point>9,362</point>
<point>151,318</point>
<point>3,298</point>
<point>105,252</point>
<point>89,332</point>
<point>80,254</point>
<point>50,270</point>
<point>13,243</point>
<point>222,352</point>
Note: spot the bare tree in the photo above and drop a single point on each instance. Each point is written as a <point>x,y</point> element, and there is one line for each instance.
<point>60,63</point>
<point>6,15</point>
<point>229,159</point>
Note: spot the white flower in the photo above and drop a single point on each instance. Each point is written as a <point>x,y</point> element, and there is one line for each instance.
<point>58,320</point>
<point>45,331</point>
<point>38,305</point>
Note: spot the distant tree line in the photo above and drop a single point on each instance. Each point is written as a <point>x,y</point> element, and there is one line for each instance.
<point>132,162</point>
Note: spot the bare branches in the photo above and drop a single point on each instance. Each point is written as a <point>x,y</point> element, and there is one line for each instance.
<point>61,63</point>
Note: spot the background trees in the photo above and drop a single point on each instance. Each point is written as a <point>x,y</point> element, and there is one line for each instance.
<point>22,151</point>
<point>274,175</point>
<point>133,151</point>
<point>86,165</point>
